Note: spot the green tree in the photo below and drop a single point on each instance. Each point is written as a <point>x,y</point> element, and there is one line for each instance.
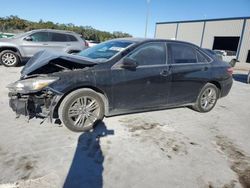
<point>12,23</point>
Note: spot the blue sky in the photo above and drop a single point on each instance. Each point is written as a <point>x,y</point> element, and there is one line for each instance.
<point>123,15</point>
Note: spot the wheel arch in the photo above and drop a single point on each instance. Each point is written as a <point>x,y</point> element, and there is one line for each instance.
<point>217,84</point>
<point>14,49</point>
<point>100,92</point>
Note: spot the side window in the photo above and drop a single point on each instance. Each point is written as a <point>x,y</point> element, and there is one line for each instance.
<point>153,53</point>
<point>58,37</point>
<point>182,53</point>
<point>201,58</point>
<point>71,38</point>
<point>40,37</point>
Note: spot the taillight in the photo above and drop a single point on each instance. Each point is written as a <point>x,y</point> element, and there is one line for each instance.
<point>230,70</point>
<point>86,43</point>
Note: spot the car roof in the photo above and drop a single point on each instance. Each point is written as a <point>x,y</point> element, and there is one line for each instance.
<point>55,30</point>
<point>141,40</point>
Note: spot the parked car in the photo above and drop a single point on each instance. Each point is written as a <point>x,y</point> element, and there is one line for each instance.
<point>23,46</point>
<point>92,43</point>
<point>118,77</point>
<point>6,35</point>
<point>228,56</point>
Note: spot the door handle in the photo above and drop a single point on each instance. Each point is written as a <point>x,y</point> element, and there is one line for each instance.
<point>68,44</point>
<point>45,44</point>
<point>164,73</point>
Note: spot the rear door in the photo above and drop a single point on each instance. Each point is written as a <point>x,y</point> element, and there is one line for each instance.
<point>75,44</point>
<point>190,69</point>
<point>146,86</point>
<point>58,42</point>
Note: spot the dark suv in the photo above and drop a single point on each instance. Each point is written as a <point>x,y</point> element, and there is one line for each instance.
<point>23,46</point>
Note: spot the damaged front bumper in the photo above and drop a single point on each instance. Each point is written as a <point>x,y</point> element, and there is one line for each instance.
<point>41,104</point>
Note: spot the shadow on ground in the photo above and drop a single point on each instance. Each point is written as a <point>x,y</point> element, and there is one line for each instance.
<point>240,78</point>
<point>87,165</point>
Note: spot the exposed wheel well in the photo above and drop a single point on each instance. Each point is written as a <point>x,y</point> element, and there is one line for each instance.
<point>97,90</point>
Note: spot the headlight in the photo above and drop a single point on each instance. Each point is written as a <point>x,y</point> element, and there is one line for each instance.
<point>31,84</point>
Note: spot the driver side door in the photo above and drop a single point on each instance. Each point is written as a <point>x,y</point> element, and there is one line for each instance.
<point>147,85</point>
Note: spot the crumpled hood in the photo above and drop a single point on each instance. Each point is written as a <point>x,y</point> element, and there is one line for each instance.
<point>45,57</point>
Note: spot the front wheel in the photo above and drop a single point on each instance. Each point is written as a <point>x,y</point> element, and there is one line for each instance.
<point>81,110</point>
<point>9,58</point>
<point>207,98</point>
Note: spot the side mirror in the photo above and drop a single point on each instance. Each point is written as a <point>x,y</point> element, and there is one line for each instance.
<point>28,38</point>
<point>129,63</point>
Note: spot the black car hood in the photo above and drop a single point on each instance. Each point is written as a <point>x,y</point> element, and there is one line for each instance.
<point>43,58</point>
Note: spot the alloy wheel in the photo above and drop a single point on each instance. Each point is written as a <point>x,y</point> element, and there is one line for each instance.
<point>208,98</point>
<point>9,59</point>
<point>83,111</point>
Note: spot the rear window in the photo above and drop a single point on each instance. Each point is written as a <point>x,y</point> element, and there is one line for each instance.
<point>58,37</point>
<point>71,38</point>
<point>182,53</point>
<point>201,57</point>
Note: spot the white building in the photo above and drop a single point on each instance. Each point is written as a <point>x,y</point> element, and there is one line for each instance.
<point>230,34</point>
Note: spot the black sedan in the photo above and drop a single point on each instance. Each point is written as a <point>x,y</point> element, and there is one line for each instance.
<point>117,77</point>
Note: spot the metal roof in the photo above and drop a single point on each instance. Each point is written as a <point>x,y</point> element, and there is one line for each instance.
<point>205,20</point>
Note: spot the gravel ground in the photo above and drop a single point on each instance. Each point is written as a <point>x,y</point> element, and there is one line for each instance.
<point>170,148</point>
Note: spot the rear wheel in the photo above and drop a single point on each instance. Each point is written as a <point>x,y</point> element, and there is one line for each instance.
<point>81,110</point>
<point>9,58</point>
<point>207,98</point>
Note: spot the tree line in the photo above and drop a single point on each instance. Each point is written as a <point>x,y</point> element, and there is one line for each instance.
<point>16,24</point>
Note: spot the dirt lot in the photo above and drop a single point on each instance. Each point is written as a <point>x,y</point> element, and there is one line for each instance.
<point>170,148</point>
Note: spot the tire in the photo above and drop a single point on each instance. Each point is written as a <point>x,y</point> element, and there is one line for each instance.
<point>204,102</point>
<point>9,58</point>
<point>75,113</point>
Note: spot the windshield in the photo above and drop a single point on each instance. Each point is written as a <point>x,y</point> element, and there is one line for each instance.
<point>105,50</point>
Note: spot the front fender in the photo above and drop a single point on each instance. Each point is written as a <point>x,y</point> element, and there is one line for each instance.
<point>7,46</point>
<point>70,80</point>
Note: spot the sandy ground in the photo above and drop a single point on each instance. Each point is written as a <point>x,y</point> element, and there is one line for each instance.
<point>169,148</point>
